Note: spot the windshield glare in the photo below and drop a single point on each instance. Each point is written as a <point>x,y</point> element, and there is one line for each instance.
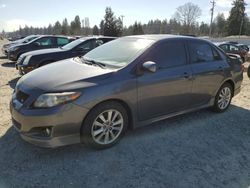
<point>73,44</point>
<point>120,52</point>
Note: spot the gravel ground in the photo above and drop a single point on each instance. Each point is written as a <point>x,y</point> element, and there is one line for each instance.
<point>200,149</point>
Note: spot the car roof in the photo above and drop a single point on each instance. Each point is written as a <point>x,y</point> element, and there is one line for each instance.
<point>97,37</point>
<point>159,37</point>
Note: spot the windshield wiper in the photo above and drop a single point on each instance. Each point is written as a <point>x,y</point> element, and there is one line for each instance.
<point>93,62</point>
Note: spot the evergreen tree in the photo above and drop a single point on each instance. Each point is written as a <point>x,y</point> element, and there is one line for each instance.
<point>95,30</point>
<point>220,24</point>
<point>137,29</point>
<point>77,25</point>
<point>111,25</point>
<point>237,18</point>
<point>65,27</point>
<point>57,28</point>
<point>102,27</point>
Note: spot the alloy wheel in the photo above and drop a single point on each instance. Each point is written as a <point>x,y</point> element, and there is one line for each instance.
<point>224,98</point>
<point>107,127</point>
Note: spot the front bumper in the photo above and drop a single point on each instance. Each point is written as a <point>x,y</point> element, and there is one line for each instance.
<point>64,123</point>
<point>12,56</point>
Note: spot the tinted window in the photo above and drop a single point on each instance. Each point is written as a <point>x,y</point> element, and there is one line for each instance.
<point>99,42</point>
<point>200,52</point>
<point>168,54</point>
<point>224,47</point>
<point>62,41</point>
<point>233,48</point>
<point>87,45</point>
<point>44,41</point>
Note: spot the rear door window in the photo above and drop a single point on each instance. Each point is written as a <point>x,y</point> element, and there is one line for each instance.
<point>168,54</point>
<point>62,41</point>
<point>201,52</point>
<point>224,47</point>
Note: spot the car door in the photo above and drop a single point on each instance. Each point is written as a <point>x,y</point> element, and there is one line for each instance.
<point>208,71</point>
<point>168,89</point>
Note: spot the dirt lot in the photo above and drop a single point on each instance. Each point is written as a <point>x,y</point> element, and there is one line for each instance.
<point>200,149</point>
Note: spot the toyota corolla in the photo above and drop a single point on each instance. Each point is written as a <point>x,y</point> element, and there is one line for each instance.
<point>127,83</point>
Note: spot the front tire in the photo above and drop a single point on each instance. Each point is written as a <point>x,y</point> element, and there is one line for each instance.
<point>223,98</point>
<point>105,125</point>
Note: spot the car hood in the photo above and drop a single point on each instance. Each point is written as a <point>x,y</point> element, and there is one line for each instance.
<point>45,51</point>
<point>65,75</point>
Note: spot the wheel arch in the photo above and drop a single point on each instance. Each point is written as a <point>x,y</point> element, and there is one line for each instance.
<point>123,103</point>
<point>231,82</point>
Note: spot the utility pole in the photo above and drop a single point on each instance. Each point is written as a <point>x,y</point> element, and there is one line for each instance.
<point>212,17</point>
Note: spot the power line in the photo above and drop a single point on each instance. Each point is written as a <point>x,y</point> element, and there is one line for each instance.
<point>212,16</point>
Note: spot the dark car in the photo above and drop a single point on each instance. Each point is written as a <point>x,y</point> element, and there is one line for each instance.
<point>20,41</point>
<point>42,42</point>
<point>32,60</point>
<point>126,83</point>
<point>234,49</point>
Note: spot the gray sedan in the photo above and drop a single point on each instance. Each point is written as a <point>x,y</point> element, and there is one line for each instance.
<point>127,83</point>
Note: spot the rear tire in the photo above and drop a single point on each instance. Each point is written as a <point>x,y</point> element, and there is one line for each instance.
<point>105,125</point>
<point>223,98</point>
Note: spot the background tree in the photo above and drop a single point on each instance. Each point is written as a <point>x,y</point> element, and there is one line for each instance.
<point>187,15</point>
<point>237,18</point>
<point>95,30</point>
<point>137,29</point>
<point>111,25</point>
<point>65,27</point>
<point>220,25</point>
<point>57,28</point>
<point>102,27</point>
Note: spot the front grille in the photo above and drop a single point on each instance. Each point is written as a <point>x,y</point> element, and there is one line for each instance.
<point>17,125</point>
<point>21,96</point>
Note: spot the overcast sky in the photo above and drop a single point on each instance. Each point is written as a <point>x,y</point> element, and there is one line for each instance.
<point>42,12</point>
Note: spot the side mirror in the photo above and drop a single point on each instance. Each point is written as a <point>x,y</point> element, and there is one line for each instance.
<point>150,66</point>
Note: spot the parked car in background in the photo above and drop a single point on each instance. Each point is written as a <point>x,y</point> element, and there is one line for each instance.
<point>234,49</point>
<point>34,59</point>
<point>42,42</point>
<point>20,41</point>
<point>126,83</point>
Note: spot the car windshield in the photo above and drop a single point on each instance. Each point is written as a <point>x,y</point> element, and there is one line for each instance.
<point>73,44</point>
<point>120,52</point>
<point>30,38</point>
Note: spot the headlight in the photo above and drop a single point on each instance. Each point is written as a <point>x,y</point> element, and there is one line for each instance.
<point>27,59</point>
<point>54,99</point>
